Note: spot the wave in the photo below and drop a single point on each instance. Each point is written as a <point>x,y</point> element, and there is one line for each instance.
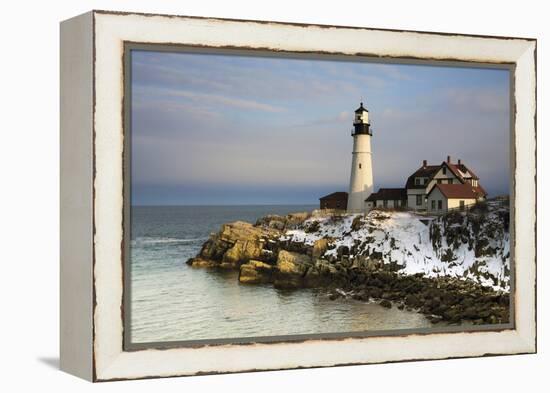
<point>163,240</point>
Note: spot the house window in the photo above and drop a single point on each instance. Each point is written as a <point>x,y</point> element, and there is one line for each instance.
<point>444,170</point>
<point>385,203</point>
<point>419,200</point>
<point>439,204</point>
<point>439,181</point>
<point>433,204</point>
<point>461,205</point>
<point>416,181</point>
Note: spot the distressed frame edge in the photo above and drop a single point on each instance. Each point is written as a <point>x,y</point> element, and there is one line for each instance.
<point>76,196</point>
<point>304,24</point>
<point>526,133</point>
<point>529,339</point>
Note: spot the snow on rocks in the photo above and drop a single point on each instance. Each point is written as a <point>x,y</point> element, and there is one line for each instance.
<point>472,245</point>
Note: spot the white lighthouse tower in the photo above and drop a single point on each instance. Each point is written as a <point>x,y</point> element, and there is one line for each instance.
<point>360,182</point>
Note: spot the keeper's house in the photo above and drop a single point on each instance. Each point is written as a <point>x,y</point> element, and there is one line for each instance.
<point>336,200</point>
<point>433,188</point>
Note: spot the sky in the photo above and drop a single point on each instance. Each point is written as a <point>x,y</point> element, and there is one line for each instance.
<point>223,130</point>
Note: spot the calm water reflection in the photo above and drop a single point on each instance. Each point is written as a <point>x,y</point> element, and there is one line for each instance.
<point>173,302</point>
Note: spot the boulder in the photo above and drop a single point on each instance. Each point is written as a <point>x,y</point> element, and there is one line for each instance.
<point>373,264</point>
<point>312,227</point>
<point>359,263</point>
<point>272,221</point>
<point>357,223</point>
<point>204,263</point>
<point>240,230</point>
<point>291,269</point>
<point>313,278</point>
<point>243,251</point>
<point>213,249</point>
<point>319,248</point>
<point>413,301</point>
<point>385,303</point>
<point>236,243</point>
<point>322,273</point>
<point>256,272</point>
<point>292,262</point>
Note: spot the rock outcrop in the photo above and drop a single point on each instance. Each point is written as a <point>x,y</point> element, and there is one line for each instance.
<point>235,244</point>
<point>291,269</point>
<point>256,272</point>
<point>451,268</point>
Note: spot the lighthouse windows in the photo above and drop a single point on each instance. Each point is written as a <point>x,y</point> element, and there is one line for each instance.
<point>359,165</point>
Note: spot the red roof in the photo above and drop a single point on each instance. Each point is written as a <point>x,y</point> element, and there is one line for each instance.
<point>459,191</point>
<point>429,171</point>
<point>458,169</point>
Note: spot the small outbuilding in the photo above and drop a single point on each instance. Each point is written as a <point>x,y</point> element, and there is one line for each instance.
<point>387,198</point>
<point>336,200</point>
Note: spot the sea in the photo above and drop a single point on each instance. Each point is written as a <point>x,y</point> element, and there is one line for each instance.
<point>170,301</point>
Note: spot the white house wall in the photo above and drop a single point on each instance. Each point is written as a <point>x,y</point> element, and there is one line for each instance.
<point>411,198</point>
<point>392,203</point>
<point>451,203</point>
<point>439,175</point>
<point>455,203</point>
<point>436,196</point>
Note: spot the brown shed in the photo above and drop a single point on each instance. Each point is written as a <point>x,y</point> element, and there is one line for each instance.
<point>336,200</point>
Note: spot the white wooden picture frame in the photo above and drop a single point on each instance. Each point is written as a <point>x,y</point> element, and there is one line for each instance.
<point>93,184</point>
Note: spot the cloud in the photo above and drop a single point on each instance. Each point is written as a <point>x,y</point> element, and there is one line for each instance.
<point>477,99</point>
<point>263,124</point>
<point>225,100</point>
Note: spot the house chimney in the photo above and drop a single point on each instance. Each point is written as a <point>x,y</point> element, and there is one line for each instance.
<point>448,159</point>
<point>424,163</point>
<point>459,161</point>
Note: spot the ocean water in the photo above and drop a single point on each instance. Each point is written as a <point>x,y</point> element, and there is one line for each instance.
<point>174,302</point>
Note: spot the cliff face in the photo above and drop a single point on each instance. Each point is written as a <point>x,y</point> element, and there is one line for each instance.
<point>473,245</point>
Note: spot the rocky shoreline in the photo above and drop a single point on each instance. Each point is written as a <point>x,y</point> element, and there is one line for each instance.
<point>264,253</point>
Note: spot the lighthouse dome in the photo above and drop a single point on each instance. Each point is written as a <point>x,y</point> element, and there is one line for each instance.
<point>361,121</point>
<point>361,109</point>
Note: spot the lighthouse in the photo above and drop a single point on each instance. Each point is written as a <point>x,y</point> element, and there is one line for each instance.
<point>360,182</point>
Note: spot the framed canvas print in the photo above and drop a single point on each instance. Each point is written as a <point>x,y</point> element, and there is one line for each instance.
<point>247,195</point>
